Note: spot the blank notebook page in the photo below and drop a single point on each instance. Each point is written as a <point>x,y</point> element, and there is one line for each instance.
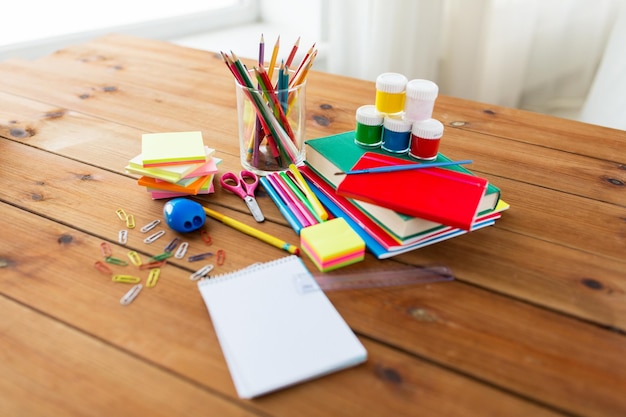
<point>272,334</point>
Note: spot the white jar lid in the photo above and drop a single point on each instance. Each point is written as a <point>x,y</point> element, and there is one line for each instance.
<point>428,129</point>
<point>391,82</point>
<point>396,124</point>
<point>369,116</point>
<point>422,89</point>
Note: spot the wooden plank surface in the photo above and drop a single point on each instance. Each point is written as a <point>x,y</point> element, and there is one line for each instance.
<point>534,322</point>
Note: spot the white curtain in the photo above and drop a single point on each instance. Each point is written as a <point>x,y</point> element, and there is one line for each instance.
<point>540,55</point>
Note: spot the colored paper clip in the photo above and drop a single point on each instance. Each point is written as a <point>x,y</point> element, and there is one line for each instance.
<point>160,257</point>
<point>153,237</point>
<point>126,279</point>
<point>181,251</point>
<point>201,273</point>
<point>130,221</point>
<point>105,248</point>
<point>150,265</point>
<point>121,214</point>
<point>115,261</point>
<point>131,295</point>
<point>199,257</point>
<point>122,237</point>
<point>153,277</point>
<point>172,245</point>
<point>102,267</point>
<point>221,257</point>
<point>134,257</point>
<point>150,226</point>
<point>206,238</point>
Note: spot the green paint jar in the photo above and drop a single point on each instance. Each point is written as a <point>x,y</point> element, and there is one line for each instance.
<point>369,126</point>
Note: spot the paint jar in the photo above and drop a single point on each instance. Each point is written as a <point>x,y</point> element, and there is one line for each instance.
<point>390,92</point>
<point>420,99</point>
<point>369,126</point>
<point>396,134</point>
<point>425,138</point>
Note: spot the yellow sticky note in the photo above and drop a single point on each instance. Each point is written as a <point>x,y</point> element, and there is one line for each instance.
<point>332,244</point>
<point>158,149</point>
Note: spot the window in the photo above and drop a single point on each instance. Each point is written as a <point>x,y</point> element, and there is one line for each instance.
<point>31,28</point>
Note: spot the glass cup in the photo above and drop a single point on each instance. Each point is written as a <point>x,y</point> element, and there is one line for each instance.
<point>271,124</point>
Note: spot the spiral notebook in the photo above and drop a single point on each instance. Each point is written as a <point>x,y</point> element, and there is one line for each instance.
<point>274,335</point>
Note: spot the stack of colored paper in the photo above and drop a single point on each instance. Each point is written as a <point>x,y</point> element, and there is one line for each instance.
<point>174,164</point>
<point>332,244</point>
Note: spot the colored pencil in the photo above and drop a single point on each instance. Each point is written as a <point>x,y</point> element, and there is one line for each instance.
<point>317,206</point>
<point>293,52</point>
<point>270,69</point>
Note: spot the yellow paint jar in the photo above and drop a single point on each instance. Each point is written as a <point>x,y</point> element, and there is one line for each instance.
<point>390,92</point>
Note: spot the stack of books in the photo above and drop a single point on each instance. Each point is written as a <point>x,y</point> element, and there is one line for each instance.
<point>365,200</point>
<point>174,164</point>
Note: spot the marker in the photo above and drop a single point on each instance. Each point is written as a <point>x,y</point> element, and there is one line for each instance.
<point>251,231</point>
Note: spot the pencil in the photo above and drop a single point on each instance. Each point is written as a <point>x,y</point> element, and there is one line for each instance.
<point>392,168</point>
<point>251,231</point>
<point>317,206</point>
<point>270,69</point>
<point>293,52</point>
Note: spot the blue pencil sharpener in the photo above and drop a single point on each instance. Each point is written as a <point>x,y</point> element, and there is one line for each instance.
<point>184,215</point>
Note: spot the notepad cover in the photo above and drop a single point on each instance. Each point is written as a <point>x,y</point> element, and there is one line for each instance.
<point>272,334</point>
<point>439,195</point>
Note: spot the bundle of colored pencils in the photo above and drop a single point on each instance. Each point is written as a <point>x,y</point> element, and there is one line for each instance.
<point>273,102</point>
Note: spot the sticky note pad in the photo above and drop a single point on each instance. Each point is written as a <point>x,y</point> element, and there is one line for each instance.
<point>172,148</point>
<point>332,244</point>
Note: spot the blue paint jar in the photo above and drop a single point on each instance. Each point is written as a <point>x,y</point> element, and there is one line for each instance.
<point>396,135</point>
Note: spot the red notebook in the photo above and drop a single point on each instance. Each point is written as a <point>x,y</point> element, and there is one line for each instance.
<point>440,195</point>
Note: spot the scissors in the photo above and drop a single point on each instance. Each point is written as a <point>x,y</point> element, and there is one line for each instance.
<point>244,186</point>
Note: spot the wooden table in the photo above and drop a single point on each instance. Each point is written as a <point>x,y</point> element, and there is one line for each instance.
<point>533,325</point>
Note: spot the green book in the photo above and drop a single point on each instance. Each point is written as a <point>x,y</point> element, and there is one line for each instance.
<point>331,154</point>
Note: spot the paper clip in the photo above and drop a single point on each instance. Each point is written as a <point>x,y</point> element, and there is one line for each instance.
<point>206,238</point>
<point>126,279</point>
<point>130,221</point>
<point>150,226</point>
<point>115,261</point>
<point>221,257</point>
<point>154,236</point>
<point>122,237</point>
<point>172,245</point>
<point>131,295</point>
<point>121,214</point>
<point>150,265</point>
<point>134,257</point>
<point>105,248</point>
<point>181,251</point>
<point>160,257</point>
<point>102,267</point>
<point>201,273</point>
<point>199,257</point>
<point>153,277</point>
